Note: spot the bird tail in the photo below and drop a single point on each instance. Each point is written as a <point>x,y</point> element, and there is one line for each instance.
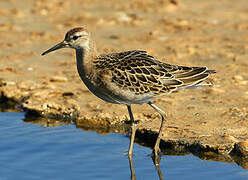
<point>197,81</point>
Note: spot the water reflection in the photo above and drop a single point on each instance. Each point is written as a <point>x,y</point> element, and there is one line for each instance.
<point>156,161</point>
<point>45,122</point>
<point>142,140</point>
<point>131,166</point>
<point>60,152</point>
<point>124,130</point>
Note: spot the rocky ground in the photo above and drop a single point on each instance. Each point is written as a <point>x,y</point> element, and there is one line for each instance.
<point>211,122</point>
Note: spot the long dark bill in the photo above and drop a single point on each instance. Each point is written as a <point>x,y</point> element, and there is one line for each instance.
<point>56,47</point>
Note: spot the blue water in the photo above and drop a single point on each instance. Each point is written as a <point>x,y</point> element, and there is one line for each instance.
<point>29,151</point>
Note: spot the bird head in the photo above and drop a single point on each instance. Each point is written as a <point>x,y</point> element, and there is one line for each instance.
<point>76,38</point>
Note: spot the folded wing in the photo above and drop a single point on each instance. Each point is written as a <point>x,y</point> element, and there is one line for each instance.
<point>142,73</point>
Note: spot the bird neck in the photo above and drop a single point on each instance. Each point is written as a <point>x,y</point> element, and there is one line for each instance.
<point>85,57</point>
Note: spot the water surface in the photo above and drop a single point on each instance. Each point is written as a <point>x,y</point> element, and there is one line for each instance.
<point>29,151</point>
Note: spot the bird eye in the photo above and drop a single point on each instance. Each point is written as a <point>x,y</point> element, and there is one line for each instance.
<point>75,37</point>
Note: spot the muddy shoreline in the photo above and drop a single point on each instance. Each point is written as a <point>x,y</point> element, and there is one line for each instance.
<point>52,114</point>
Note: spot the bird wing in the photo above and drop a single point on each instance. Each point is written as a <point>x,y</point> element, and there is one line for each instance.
<point>142,73</point>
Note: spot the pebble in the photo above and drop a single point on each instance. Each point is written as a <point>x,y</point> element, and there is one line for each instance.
<point>10,83</point>
<point>163,38</point>
<point>67,94</point>
<point>214,90</point>
<point>183,22</point>
<point>58,79</point>
<point>123,17</point>
<point>239,80</point>
<point>30,69</point>
<point>191,50</point>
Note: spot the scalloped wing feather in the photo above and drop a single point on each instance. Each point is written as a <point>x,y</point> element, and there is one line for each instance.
<point>141,73</point>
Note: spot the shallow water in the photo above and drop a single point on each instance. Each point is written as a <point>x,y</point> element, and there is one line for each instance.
<point>29,151</point>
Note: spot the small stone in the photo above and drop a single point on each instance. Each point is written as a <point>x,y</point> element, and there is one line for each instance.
<point>114,37</point>
<point>214,90</point>
<point>239,80</point>
<point>30,69</point>
<point>67,94</point>
<point>94,106</point>
<point>163,38</point>
<point>191,50</point>
<point>10,83</point>
<point>58,79</point>
<point>183,23</point>
<point>244,82</point>
<point>214,21</point>
<point>123,17</point>
<point>105,116</point>
<point>43,12</point>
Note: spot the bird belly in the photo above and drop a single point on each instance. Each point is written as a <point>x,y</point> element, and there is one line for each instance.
<point>112,93</point>
<point>120,95</point>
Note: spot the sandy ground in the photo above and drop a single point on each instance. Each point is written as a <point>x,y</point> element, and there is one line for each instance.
<point>211,122</point>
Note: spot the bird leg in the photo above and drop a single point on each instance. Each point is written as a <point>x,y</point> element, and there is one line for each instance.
<point>156,149</point>
<point>133,131</point>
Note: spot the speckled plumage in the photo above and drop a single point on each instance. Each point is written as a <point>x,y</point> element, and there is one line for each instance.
<point>138,72</point>
<point>131,77</point>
